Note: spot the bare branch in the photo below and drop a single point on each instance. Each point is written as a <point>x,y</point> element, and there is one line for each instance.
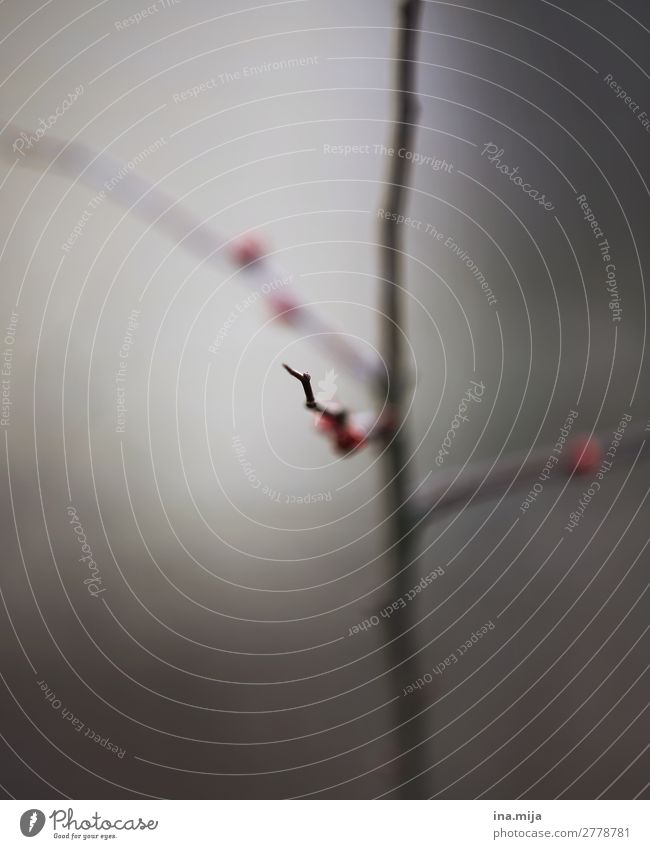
<point>305,380</point>
<point>141,197</point>
<point>494,479</point>
<point>334,420</point>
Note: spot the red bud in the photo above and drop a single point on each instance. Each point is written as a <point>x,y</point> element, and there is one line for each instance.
<point>349,439</point>
<point>584,455</point>
<point>284,306</point>
<point>247,249</point>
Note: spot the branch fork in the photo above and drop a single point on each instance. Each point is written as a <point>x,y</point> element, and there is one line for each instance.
<point>334,420</point>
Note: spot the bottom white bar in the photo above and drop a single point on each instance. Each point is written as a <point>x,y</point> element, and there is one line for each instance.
<point>326,824</point>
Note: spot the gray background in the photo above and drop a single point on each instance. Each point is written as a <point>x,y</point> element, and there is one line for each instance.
<point>219,655</point>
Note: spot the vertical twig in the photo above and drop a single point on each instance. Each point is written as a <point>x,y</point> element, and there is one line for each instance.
<point>410,731</point>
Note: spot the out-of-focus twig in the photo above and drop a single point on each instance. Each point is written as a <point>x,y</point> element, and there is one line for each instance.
<point>490,480</point>
<point>158,209</point>
<point>334,420</point>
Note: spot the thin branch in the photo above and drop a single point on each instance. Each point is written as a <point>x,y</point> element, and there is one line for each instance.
<point>305,380</point>
<point>334,420</point>
<point>142,197</point>
<point>583,455</point>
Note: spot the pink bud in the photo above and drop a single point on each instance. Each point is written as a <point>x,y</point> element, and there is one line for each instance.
<point>349,439</point>
<point>247,249</point>
<point>283,305</point>
<point>584,455</point>
<point>324,423</point>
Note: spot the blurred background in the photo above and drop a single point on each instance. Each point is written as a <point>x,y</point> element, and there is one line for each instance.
<point>206,646</point>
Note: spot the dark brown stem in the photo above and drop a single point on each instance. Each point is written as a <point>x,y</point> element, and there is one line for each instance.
<point>338,416</point>
<point>305,379</point>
